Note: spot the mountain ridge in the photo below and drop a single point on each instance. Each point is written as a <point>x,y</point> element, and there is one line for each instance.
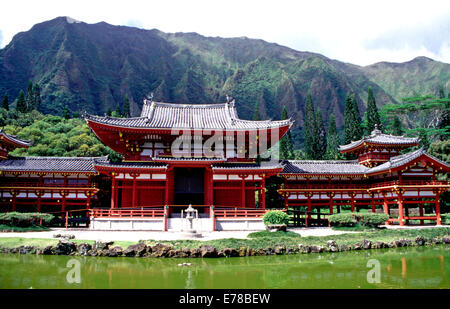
<point>92,66</point>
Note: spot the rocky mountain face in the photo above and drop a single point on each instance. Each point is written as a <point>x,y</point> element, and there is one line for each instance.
<point>91,67</point>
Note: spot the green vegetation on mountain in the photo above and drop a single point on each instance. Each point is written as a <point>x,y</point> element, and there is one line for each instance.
<point>94,67</point>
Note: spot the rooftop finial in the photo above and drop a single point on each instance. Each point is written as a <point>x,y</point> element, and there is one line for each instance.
<point>150,97</point>
<point>228,98</point>
<point>376,131</point>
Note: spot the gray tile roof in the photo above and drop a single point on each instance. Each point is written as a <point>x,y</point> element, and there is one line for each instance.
<point>140,165</point>
<point>49,164</point>
<point>377,137</point>
<point>404,159</point>
<point>324,167</point>
<point>247,166</point>
<point>14,139</point>
<point>188,116</point>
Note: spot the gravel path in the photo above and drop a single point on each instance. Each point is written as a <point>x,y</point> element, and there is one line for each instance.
<point>143,235</point>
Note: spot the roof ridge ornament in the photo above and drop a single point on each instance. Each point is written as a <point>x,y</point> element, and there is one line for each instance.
<point>376,131</point>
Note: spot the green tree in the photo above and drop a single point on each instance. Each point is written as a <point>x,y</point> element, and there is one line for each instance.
<point>441,93</point>
<point>256,114</point>
<point>320,145</point>
<point>397,128</point>
<point>66,113</point>
<point>126,107</point>
<point>286,145</point>
<point>423,139</point>
<point>117,112</point>
<point>5,103</point>
<point>352,120</point>
<point>108,112</point>
<point>371,116</point>
<point>36,97</point>
<point>21,106</point>
<point>29,100</point>
<point>333,141</point>
<point>308,128</point>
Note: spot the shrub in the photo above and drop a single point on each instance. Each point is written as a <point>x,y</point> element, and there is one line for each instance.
<point>373,219</point>
<point>25,219</point>
<point>345,219</point>
<point>275,217</point>
<point>352,219</point>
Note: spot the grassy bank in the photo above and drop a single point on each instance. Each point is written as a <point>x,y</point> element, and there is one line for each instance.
<point>260,240</point>
<point>34,228</point>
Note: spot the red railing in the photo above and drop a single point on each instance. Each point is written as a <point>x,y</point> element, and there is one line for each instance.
<point>127,213</point>
<point>238,213</point>
<point>409,183</point>
<point>50,185</point>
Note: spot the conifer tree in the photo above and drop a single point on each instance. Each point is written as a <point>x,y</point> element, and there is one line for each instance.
<point>118,111</point>
<point>333,141</point>
<point>21,105</point>
<point>320,145</point>
<point>308,128</point>
<point>371,116</point>
<point>352,121</point>
<point>109,111</point>
<point>397,126</point>
<point>126,107</point>
<point>37,97</point>
<point>441,91</point>
<point>256,114</point>
<point>65,113</point>
<point>5,103</point>
<point>286,146</point>
<point>29,100</point>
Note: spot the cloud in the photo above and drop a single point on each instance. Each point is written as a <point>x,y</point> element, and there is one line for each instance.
<point>134,23</point>
<point>433,36</point>
<point>1,39</point>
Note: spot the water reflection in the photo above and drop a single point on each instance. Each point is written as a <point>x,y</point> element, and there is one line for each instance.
<point>422,267</point>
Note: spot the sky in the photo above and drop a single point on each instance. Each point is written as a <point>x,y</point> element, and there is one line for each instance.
<point>359,32</point>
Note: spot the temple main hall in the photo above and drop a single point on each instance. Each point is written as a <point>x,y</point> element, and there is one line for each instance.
<point>227,168</point>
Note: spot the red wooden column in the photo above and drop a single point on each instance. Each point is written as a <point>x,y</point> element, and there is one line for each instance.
<point>421,213</point>
<point>243,190</point>
<point>331,195</point>
<point>308,204</point>
<point>385,207</point>
<point>400,206</point>
<point>438,208</point>
<point>166,191</point>
<point>39,194</point>
<point>352,201</point>
<point>14,194</point>
<point>263,191</point>
<point>373,202</point>
<point>113,191</point>
<point>133,196</point>
<point>63,205</point>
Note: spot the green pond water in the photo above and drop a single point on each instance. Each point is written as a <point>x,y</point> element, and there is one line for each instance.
<point>417,268</point>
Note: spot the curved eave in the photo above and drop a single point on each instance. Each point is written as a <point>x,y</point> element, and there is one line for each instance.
<point>14,141</point>
<point>309,175</point>
<point>267,171</point>
<point>435,163</point>
<point>42,172</point>
<point>127,169</point>
<point>279,124</point>
<point>362,144</point>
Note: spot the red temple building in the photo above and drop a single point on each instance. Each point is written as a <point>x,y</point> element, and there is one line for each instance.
<point>204,155</point>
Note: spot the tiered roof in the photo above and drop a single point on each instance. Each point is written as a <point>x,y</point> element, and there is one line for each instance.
<point>352,167</point>
<point>50,164</point>
<point>379,138</point>
<point>11,139</point>
<point>159,115</point>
